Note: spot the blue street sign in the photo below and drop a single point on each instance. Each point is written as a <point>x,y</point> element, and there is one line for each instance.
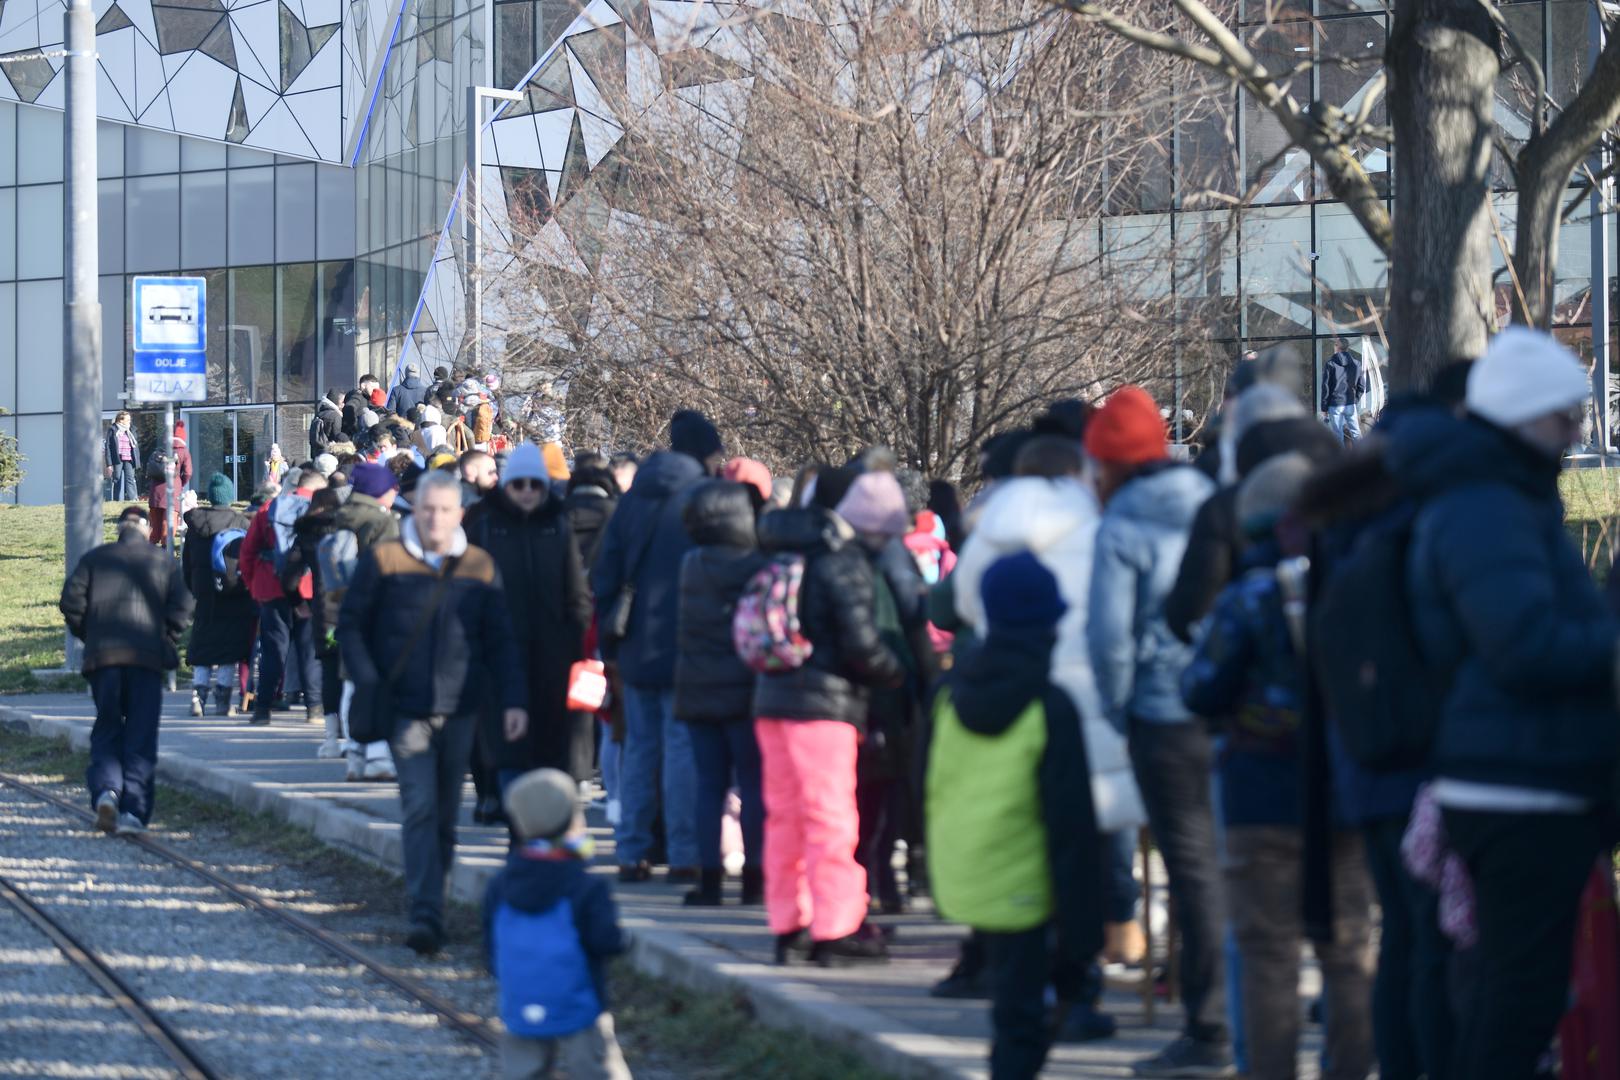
<point>171,338</point>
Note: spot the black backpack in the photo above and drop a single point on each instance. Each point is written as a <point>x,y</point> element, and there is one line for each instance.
<point>157,466</point>
<point>1383,695</point>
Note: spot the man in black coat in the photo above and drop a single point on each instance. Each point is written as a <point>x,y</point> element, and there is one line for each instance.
<point>592,496</point>
<point>523,527</point>
<point>408,393</point>
<point>127,601</point>
<point>327,426</point>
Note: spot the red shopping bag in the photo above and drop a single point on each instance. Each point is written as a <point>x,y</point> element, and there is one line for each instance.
<point>1589,1034</point>
<point>587,685</point>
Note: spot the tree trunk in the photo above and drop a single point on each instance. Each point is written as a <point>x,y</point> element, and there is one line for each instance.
<point>1443,63</point>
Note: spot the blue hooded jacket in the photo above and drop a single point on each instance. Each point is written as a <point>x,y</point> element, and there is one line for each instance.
<point>1138,661</point>
<point>644,542</point>
<point>1502,596</point>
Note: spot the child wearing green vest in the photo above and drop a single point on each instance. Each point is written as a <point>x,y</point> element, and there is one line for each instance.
<point>1013,847</point>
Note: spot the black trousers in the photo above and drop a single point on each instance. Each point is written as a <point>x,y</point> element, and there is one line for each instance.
<point>1528,871</point>
<point>1172,763</point>
<point>1413,1026</point>
<point>1019,965</point>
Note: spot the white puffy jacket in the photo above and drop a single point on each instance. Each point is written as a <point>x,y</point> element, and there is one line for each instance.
<point>1056,521</point>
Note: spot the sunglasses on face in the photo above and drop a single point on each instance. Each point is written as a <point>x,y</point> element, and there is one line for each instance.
<point>526,484</point>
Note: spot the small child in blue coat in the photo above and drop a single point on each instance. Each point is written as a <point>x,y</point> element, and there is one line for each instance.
<point>549,928</point>
<point>1248,672</point>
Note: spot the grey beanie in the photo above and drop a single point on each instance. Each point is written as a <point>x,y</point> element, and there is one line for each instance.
<point>542,804</point>
<point>1268,491</point>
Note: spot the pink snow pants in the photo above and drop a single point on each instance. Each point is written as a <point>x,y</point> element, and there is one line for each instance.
<point>811,827</point>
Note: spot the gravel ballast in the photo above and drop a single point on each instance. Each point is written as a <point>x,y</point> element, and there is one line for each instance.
<point>253,997</point>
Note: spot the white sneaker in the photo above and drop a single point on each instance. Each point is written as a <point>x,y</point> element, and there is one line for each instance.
<point>357,767</point>
<point>380,769</point>
<point>130,825</point>
<point>330,749</point>
<point>107,811</point>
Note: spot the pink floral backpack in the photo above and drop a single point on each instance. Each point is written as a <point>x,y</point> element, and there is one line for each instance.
<point>765,629</point>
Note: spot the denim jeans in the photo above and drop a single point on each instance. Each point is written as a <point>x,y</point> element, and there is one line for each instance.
<point>430,758</point>
<point>124,740</point>
<point>1019,964</point>
<point>1344,420</point>
<point>657,758</point>
<point>1119,876</point>
<point>1173,763</point>
<point>124,488</point>
<point>281,632</point>
<point>611,755</point>
<point>724,753</point>
<point>1412,1007</point>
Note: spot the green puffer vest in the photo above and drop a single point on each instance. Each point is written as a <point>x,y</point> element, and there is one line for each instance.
<point>987,852</point>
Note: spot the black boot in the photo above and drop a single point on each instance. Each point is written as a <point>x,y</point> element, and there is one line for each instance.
<point>794,948</point>
<point>865,946</point>
<point>707,894</point>
<point>753,885</point>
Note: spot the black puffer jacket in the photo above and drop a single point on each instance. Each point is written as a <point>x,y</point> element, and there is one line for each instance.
<point>835,613</point>
<point>592,495</point>
<point>550,608</point>
<point>711,683</point>
<point>128,602</point>
<point>1216,543</point>
<point>222,630</point>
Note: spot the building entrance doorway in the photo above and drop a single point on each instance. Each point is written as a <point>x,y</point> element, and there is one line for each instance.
<point>233,441</point>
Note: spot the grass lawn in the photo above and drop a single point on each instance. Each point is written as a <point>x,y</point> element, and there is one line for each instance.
<point>1592,514</point>
<point>31,576</point>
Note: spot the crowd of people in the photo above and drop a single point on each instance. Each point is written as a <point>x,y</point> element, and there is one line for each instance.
<point>1358,687</point>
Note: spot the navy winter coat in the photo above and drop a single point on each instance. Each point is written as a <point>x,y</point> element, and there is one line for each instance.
<point>711,684</point>
<point>1501,595</point>
<point>644,542</point>
<point>406,395</point>
<point>535,883</point>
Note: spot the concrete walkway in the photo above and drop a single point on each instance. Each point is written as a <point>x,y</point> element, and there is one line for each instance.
<point>884,1013</point>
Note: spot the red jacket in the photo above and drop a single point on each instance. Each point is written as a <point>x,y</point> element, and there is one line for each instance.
<point>260,573</point>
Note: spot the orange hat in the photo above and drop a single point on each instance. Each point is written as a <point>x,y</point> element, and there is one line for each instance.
<point>748,471</point>
<point>1127,430</point>
<point>556,465</point>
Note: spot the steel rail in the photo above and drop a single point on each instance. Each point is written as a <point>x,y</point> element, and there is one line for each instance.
<point>469,1024</point>
<point>192,1065</point>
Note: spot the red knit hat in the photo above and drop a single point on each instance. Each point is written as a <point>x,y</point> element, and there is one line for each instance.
<point>1127,430</point>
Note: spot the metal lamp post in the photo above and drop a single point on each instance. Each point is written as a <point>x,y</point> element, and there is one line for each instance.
<point>473,211</point>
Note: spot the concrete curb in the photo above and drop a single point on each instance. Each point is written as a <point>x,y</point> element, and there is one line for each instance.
<point>778,1000</point>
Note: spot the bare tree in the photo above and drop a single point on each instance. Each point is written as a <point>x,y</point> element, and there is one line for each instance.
<point>1442,59</point>
<point>847,222</point>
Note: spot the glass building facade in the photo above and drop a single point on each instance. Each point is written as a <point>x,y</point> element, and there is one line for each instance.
<point>307,164</point>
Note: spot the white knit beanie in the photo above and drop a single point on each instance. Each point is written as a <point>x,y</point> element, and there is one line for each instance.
<point>1523,376</point>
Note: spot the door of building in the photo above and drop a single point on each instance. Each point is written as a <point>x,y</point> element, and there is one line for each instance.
<point>233,441</point>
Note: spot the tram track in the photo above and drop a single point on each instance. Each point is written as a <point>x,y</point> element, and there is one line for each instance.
<point>447,1012</point>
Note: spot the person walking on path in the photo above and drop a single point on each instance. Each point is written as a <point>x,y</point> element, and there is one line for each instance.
<point>128,603</point>
<point>1248,678</point>
<point>592,497</point>
<point>713,688</point>
<point>1528,739</point>
<point>524,528</point>
<point>550,927</point>
<point>123,452</point>
<point>222,631</point>
<point>1344,383</point>
<point>636,584</point>
<point>809,720</point>
<point>424,630</point>
<point>1014,850</point>
<point>1148,508</point>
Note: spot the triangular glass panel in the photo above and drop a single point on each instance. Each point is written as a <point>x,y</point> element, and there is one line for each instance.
<point>237,128</point>
<point>29,77</point>
<point>601,53</point>
<point>295,54</point>
<point>636,16</point>
<point>320,35</point>
<point>114,19</point>
<point>220,45</point>
<point>528,203</point>
<point>183,27</point>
